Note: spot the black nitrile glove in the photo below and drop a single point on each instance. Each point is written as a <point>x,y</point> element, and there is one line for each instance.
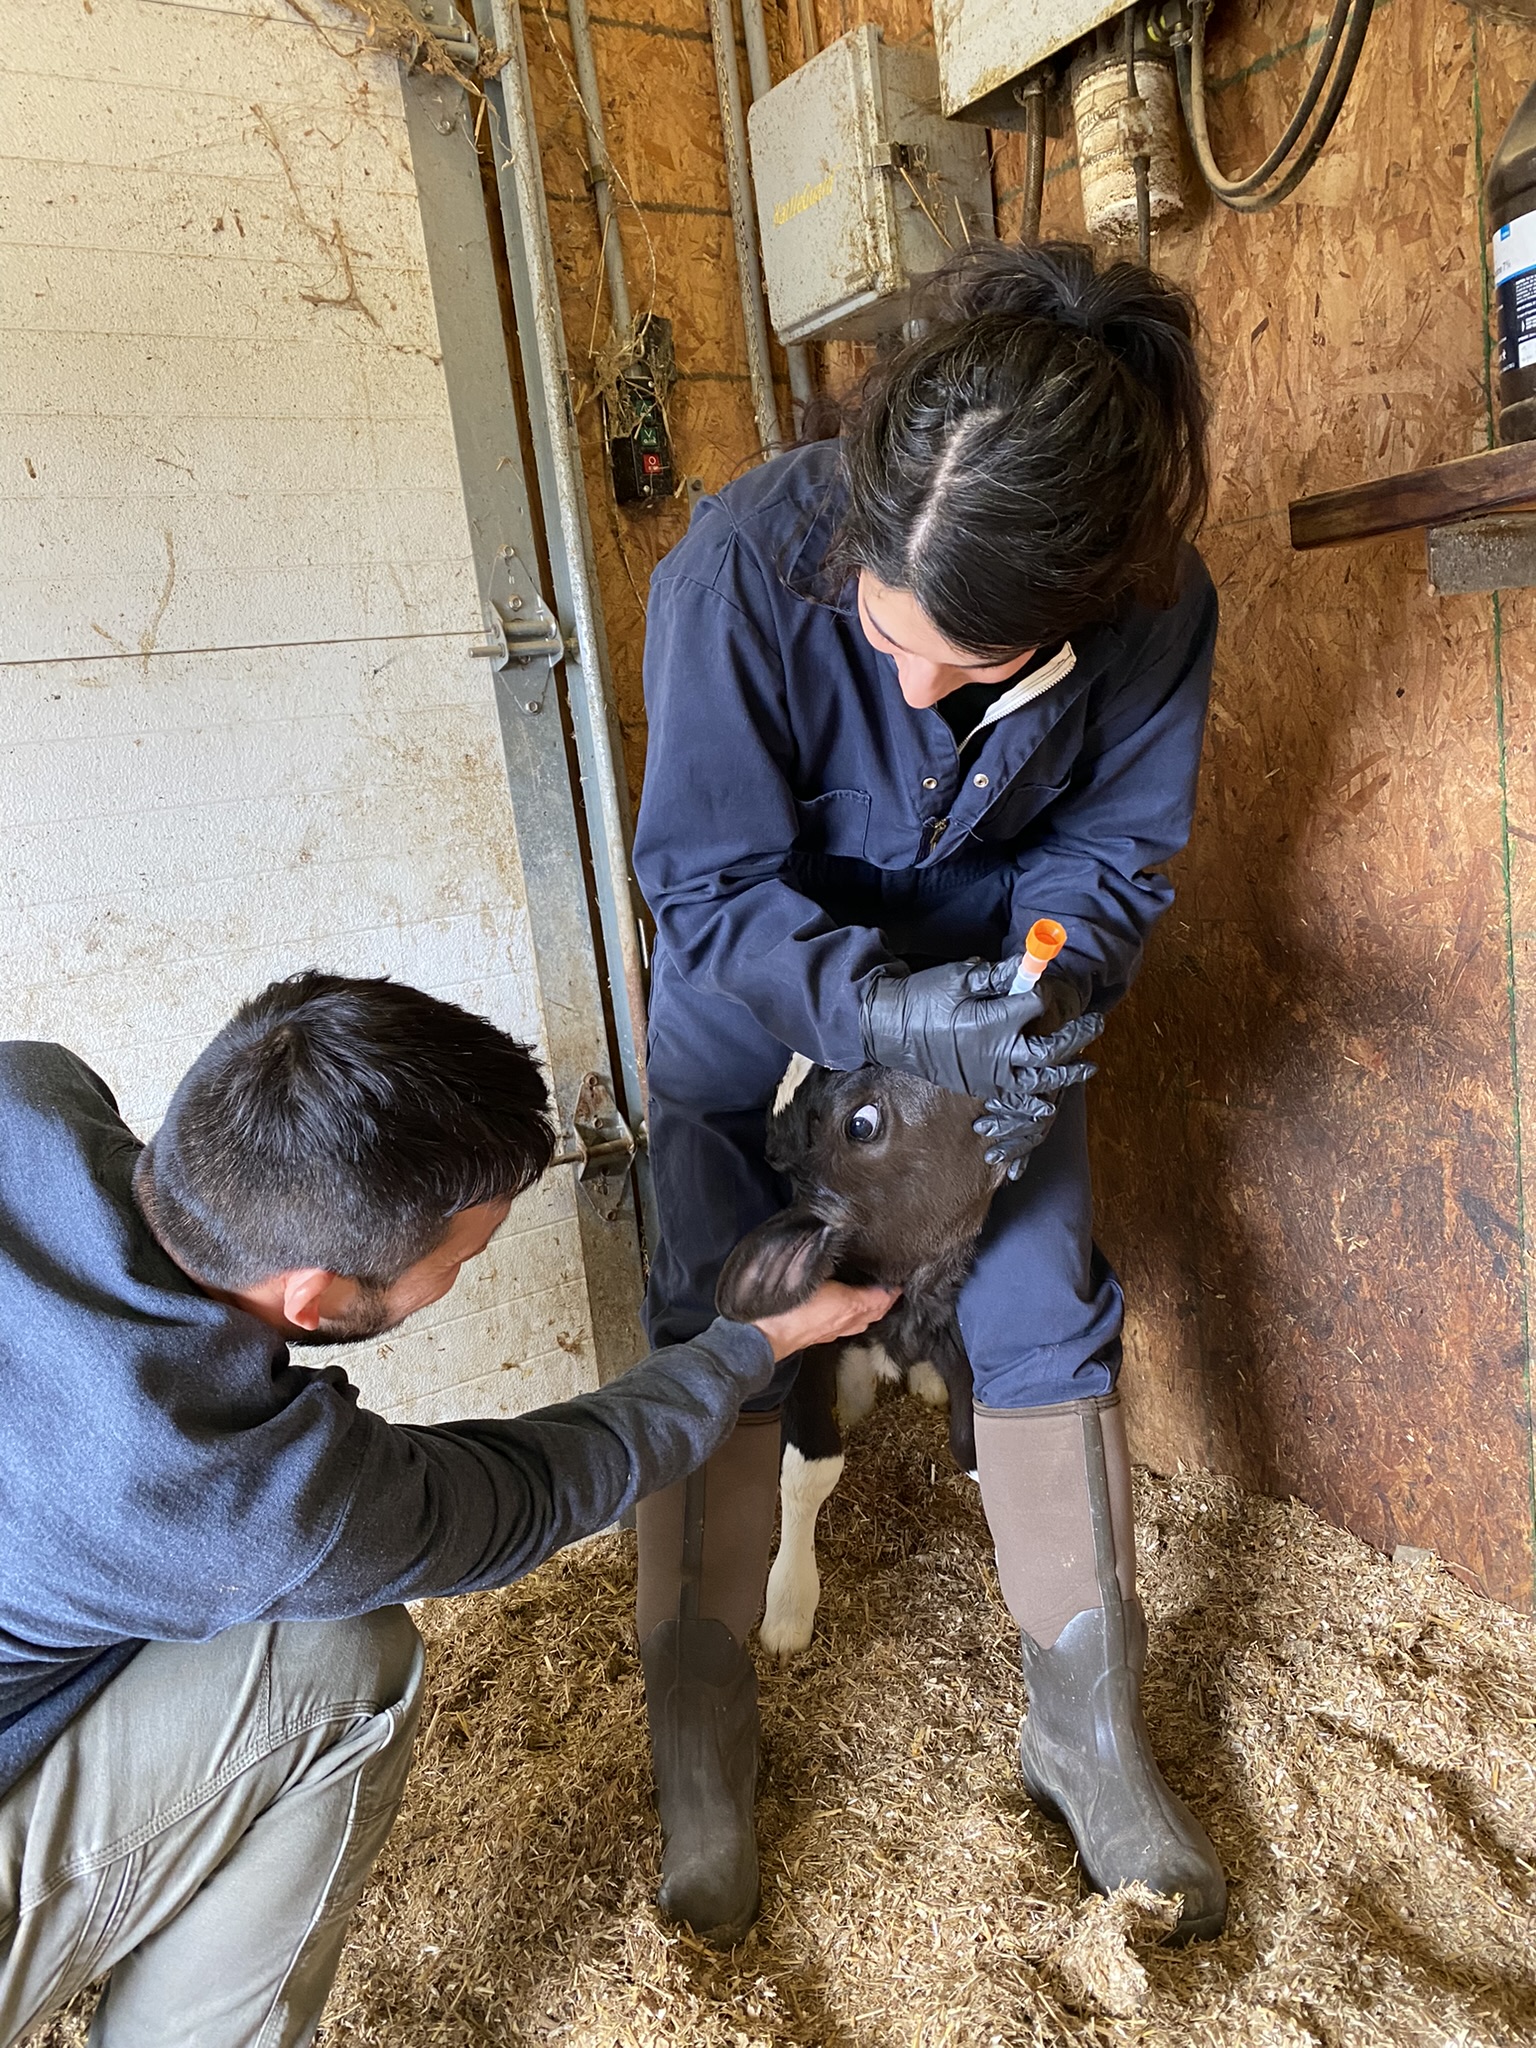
<point>1057,1001</point>
<point>1017,1121</point>
<point>957,1025</point>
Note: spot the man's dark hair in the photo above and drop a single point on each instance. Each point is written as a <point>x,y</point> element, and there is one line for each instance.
<point>1035,456</point>
<point>340,1124</point>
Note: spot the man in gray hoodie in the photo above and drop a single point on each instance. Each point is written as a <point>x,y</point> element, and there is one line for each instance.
<point>208,1685</point>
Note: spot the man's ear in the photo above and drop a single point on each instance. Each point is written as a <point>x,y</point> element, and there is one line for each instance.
<point>777,1266</point>
<point>304,1296</point>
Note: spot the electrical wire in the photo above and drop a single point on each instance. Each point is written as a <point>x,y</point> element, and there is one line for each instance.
<point>1343,40</point>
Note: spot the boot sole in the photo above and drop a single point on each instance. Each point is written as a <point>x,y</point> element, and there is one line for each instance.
<point>1205,1929</point>
<point>730,1934</point>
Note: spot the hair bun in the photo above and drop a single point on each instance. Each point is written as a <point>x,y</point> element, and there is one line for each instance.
<point>1125,307</point>
<point>1016,281</point>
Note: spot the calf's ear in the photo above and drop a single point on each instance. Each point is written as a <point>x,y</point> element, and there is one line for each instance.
<point>777,1266</point>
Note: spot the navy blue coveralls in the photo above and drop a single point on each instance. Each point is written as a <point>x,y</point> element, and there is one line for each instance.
<point>802,826</point>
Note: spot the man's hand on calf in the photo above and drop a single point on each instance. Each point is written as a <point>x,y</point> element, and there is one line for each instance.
<point>833,1311</point>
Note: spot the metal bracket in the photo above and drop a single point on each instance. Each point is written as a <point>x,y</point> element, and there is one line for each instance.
<point>526,630</point>
<point>447,27</point>
<point>911,157</point>
<point>601,1145</point>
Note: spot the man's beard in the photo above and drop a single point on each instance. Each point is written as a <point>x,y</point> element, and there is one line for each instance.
<point>368,1316</point>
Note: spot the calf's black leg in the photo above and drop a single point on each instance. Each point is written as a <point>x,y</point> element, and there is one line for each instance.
<point>954,1367</point>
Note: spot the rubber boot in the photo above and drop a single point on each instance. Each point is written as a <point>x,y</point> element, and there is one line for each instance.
<point>701,1703</point>
<point>696,1607</point>
<point>1056,1486</point>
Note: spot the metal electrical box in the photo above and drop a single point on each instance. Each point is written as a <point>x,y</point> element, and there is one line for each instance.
<point>986,46</point>
<point>862,186</point>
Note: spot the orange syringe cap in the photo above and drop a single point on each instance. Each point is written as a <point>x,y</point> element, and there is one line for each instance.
<point>1045,941</point>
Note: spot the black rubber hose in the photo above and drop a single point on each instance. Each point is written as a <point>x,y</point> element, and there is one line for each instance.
<point>1238,193</point>
<point>1239,188</point>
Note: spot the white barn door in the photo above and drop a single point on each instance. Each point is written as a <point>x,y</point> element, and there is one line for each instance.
<point>241,728</point>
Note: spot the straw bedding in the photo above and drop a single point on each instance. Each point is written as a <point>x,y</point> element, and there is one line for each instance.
<point>1359,1736</point>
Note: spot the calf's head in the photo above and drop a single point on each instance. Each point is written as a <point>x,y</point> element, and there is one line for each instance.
<point>890,1185</point>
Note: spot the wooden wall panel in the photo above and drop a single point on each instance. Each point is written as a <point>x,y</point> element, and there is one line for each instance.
<point>1309,1128</point>
<point>1313,1090</point>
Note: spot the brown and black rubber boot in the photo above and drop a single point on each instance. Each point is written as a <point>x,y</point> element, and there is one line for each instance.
<point>1056,1486</point>
<point>701,1703</point>
<point>702,1576</point>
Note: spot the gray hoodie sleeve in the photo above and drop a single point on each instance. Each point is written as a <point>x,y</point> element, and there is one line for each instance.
<point>468,1505</point>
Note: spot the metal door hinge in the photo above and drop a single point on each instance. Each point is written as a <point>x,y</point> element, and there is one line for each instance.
<point>601,1144</point>
<point>524,630</point>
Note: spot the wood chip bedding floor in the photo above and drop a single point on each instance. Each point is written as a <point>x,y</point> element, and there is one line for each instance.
<point>1359,1737</point>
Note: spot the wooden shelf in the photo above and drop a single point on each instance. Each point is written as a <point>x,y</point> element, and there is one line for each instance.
<point>1497,481</point>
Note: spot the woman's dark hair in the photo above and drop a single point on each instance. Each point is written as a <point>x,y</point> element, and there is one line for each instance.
<point>1036,455</point>
<point>340,1124</point>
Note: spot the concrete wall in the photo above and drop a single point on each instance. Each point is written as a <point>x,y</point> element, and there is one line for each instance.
<point>240,730</point>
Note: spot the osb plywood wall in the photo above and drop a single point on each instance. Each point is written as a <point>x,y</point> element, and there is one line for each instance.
<point>1310,1148</point>
<point>1309,1125</point>
<point>656,68</point>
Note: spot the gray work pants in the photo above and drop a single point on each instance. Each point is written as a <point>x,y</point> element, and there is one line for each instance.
<point>202,1831</point>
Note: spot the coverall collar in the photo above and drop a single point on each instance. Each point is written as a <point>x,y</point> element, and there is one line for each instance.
<point>1033,683</point>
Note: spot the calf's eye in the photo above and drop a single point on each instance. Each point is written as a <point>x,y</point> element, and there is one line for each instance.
<point>864,1124</point>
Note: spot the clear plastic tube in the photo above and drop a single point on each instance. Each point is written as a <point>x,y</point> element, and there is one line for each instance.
<point>1046,939</point>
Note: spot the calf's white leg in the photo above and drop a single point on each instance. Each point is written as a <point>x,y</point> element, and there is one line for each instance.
<point>794,1584</point>
<point>926,1382</point>
<point>860,1369</point>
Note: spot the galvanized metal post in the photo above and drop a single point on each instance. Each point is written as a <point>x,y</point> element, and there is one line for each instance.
<point>802,383</point>
<point>524,648</point>
<point>568,532</point>
<point>722,34</point>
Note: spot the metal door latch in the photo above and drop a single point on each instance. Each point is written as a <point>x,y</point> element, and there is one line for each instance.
<point>601,1144</point>
<point>524,629</point>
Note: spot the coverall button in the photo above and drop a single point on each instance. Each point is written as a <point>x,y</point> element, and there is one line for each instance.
<point>981,781</point>
<point>930,782</point>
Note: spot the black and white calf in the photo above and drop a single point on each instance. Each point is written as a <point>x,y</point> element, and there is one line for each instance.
<point>890,1185</point>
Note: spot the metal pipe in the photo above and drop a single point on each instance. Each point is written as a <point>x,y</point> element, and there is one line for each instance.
<point>1031,96</point>
<point>754,33</point>
<point>597,157</point>
<point>802,381</point>
<point>733,127</point>
<point>558,452</point>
